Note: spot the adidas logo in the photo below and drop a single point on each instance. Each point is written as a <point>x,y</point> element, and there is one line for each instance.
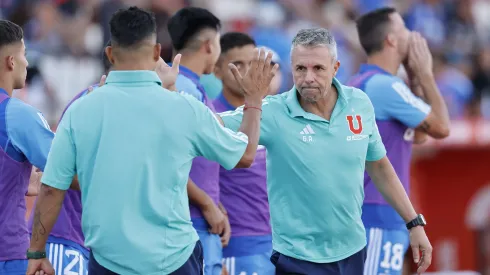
<point>307,132</point>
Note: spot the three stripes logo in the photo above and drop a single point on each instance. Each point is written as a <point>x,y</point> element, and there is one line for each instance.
<point>307,133</point>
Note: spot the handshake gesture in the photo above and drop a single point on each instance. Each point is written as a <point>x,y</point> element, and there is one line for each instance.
<point>255,83</point>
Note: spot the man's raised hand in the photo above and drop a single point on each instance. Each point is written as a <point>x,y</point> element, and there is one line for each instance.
<point>168,75</point>
<point>256,81</point>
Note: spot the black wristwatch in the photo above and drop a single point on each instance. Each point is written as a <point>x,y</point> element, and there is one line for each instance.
<point>36,255</point>
<point>418,221</point>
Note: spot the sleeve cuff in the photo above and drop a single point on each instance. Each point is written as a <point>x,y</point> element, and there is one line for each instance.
<point>375,156</point>
<point>56,184</point>
<point>233,161</point>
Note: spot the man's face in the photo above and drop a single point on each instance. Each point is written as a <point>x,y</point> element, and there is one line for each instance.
<point>401,35</point>
<point>313,71</point>
<point>20,63</point>
<point>241,57</point>
<point>215,51</point>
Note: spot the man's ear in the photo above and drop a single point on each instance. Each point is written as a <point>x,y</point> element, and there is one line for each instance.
<point>391,40</point>
<point>336,67</point>
<point>9,62</point>
<point>157,49</point>
<point>207,46</point>
<point>109,53</point>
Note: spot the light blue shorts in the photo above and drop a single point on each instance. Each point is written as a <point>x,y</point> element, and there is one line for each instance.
<point>67,259</point>
<point>213,254</point>
<point>385,251</point>
<point>258,264</point>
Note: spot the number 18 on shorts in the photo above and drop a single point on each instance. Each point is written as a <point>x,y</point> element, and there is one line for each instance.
<point>66,260</point>
<point>385,251</point>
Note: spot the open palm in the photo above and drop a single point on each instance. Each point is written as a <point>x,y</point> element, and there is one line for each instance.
<point>168,74</point>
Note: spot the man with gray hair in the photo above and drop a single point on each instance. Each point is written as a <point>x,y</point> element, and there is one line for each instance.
<point>320,137</point>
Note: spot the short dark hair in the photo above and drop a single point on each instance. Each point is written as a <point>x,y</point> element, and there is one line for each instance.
<point>233,40</point>
<point>131,26</point>
<point>105,60</point>
<point>372,29</point>
<point>10,33</point>
<point>187,22</point>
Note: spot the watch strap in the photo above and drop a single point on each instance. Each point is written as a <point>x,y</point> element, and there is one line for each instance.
<point>35,255</point>
<point>418,221</point>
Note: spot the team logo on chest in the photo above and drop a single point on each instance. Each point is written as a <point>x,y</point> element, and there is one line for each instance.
<point>355,126</point>
<point>355,129</point>
<point>307,133</point>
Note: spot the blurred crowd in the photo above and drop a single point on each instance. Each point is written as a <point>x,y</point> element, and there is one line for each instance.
<point>65,39</point>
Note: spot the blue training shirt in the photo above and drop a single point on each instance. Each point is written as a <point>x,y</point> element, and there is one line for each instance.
<point>185,84</point>
<point>24,133</point>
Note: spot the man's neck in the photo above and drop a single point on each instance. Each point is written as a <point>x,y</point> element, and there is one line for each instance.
<point>7,86</point>
<point>233,99</point>
<point>193,62</point>
<point>324,106</point>
<point>385,62</point>
<point>132,66</point>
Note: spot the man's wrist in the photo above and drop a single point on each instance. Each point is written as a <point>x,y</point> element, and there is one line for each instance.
<point>425,76</point>
<point>206,204</point>
<point>253,102</point>
<point>36,254</point>
<point>419,220</point>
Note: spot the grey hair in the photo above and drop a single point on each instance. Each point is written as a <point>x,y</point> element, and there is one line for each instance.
<point>316,37</point>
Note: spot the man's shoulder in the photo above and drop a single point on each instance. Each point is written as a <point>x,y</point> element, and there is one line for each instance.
<point>379,83</point>
<point>358,100</point>
<point>355,93</point>
<point>187,86</point>
<point>16,104</point>
<point>22,115</point>
<point>19,110</point>
<point>274,101</point>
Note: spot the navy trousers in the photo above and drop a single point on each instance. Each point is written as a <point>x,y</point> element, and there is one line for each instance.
<point>193,266</point>
<point>285,265</point>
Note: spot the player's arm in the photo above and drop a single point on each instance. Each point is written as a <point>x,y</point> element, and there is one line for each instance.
<point>393,100</point>
<point>436,124</point>
<point>419,136</point>
<point>34,182</point>
<point>209,209</point>
<point>384,177</point>
<point>57,177</point>
<point>233,120</point>
<point>197,196</point>
<point>29,132</point>
<point>229,148</point>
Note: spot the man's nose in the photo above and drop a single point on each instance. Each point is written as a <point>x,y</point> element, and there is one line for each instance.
<point>309,77</point>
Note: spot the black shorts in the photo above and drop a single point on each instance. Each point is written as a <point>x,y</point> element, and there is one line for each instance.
<point>285,265</point>
<point>193,266</point>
